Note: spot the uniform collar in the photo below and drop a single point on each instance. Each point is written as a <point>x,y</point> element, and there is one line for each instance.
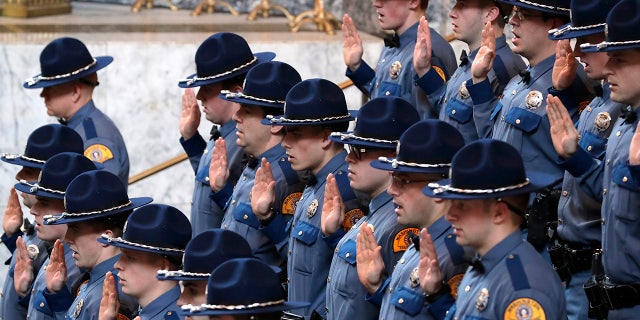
<point>379,201</point>
<point>438,228</point>
<point>409,36</point>
<point>165,301</point>
<point>541,68</point>
<point>499,251</point>
<point>273,155</point>
<point>101,269</point>
<point>81,114</point>
<point>227,128</point>
<point>331,166</point>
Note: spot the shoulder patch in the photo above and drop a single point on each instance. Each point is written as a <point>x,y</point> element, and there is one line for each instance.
<point>290,203</point>
<point>98,153</point>
<point>352,217</point>
<point>402,239</point>
<point>122,317</point>
<point>524,309</point>
<point>582,105</point>
<point>454,284</point>
<point>440,73</point>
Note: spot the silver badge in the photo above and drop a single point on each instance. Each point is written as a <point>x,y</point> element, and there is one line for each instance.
<point>464,93</point>
<point>483,299</point>
<point>78,309</point>
<point>312,208</point>
<point>33,251</point>
<point>394,70</point>
<point>414,278</point>
<point>533,100</point>
<point>602,121</point>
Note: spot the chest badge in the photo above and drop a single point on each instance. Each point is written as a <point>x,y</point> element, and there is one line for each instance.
<point>78,309</point>
<point>394,70</point>
<point>312,208</point>
<point>483,299</point>
<point>602,121</point>
<point>533,100</point>
<point>414,277</point>
<point>463,91</point>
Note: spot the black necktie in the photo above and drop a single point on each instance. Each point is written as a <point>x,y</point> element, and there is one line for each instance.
<point>629,115</point>
<point>392,41</point>
<point>598,90</point>
<point>215,133</point>
<point>311,180</point>
<point>252,163</point>
<point>416,241</point>
<point>464,59</point>
<point>63,121</point>
<point>476,265</point>
<point>526,76</point>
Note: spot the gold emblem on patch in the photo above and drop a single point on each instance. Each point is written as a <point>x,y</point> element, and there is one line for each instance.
<point>394,70</point>
<point>464,93</point>
<point>483,299</point>
<point>533,100</point>
<point>312,208</point>
<point>290,203</point>
<point>402,241</point>
<point>524,309</point>
<point>454,284</point>
<point>78,309</point>
<point>602,121</point>
<point>351,217</point>
<point>98,153</point>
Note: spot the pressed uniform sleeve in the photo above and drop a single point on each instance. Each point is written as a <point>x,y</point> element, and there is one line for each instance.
<point>194,147</point>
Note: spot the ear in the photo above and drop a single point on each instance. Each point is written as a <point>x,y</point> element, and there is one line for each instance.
<point>277,130</point>
<point>501,214</point>
<point>76,92</point>
<point>110,234</point>
<point>555,23</point>
<point>492,14</point>
<point>326,142</point>
<point>236,88</point>
<point>414,4</point>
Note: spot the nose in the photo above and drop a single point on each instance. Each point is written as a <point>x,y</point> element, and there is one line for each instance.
<point>236,117</point>
<point>350,158</point>
<point>118,264</point>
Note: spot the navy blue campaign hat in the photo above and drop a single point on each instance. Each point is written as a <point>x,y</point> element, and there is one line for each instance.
<point>485,169</point>
<point>155,228</point>
<point>56,175</point>
<point>205,252</point>
<point>223,56</point>
<point>380,123</point>
<point>45,142</point>
<point>64,60</point>
<point>266,85</point>
<point>93,195</point>
<point>426,147</point>
<point>243,286</point>
<point>557,7</point>
<point>312,102</point>
<point>587,17</point>
<point>622,30</point>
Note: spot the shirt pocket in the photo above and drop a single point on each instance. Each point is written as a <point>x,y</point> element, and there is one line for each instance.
<point>389,89</point>
<point>522,119</point>
<point>347,252</point>
<point>459,111</point>
<point>243,214</point>
<point>593,144</point>
<point>306,233</point>
<point>407,301</point>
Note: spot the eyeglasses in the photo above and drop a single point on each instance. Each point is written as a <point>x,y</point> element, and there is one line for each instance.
<point>400,182</point>
<point>357,152</point>
<point>523,16</point>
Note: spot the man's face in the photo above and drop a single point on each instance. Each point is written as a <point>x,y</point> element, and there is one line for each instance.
<point>622,71</point>
<point>468,19</point>
<point>303,145</point>
<point>530,31</point>
<point>392,14</point>
<point>362,176</point>
<point>45,206</point>
<point>28,174</point>
<point>82,239</point>
<point>137,272</point>
<point>215,109</point>
<point>594,61</point>
<point>252,135</point>
<point>413,208</point>
<point>58,99</point>
<point>471,221</point>
<point>193,293</point>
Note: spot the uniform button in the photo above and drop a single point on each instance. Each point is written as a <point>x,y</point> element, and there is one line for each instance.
<point>383,60</point>
<point>400,301</point>
<point>453,111</point>
<point>335,250</point>
<point>589,148</point>
<point>224,226</point>
<point>467,288</point>
<point>245,217</point>
<point>517,121</point>
<point>301,198</point>
<point>401,261</point>
<point>565,193</point>
<point>618,134</point>
<point>604,191</point>
<point>41,304</point>
<point>390,290</point>
<point>588,109</point>
<point>602,222</point>
<point>328,279</point>
<point>289,252</point>
<point>299,233</point>
<point>347,255</point>
<point>244,178</point>
<point>387,93</point>
<point>233,202</point>
<point>206,151</point>
<point>206,178</point>
<point>560,221</point>
<point>513,93</point>
<point>625,179</point>
<point>608,160</point>
<point>168,313</point>
<point>502,118</point>
<point>445,100</point>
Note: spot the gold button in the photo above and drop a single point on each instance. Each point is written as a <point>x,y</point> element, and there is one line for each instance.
<point>453,111</point>
<point>400,301</point>
<point>589,148</point>
<point>624,179</point>
<point>565,193</point>
<point>245,217</point>
<point>517,121</point>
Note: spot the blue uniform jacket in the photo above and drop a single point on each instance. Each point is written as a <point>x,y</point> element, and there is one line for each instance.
<point>452,100</point>
<point>394,74</point>
<point>102,140</point>
<point>164,307</point>
<point>268,243</point>
<point>206,213</point>
<point>310,252</point>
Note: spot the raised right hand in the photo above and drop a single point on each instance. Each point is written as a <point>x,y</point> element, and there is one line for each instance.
<point>23,270</point>
<point>190,115</point>
<point>352,49</point>
<point>428,269</point>
<point>56,273</point>
<point>422,51</point>
<point>483,61</point>
<point>109,304</point>
<point>12,219</point>
<point>369,261</point>
<point>564,134</point>
<point>219,166</point>
<point>263,193</point>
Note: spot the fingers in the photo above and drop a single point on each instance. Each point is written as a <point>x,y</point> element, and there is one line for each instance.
<point>268,173</point>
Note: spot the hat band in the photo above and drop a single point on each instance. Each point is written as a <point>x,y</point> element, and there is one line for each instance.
<point>139,245</point>
<point>558,32</point>
<point>10,156</point>
<point>36,79</point>
<point>196,78</point>
<point>280,120</point>
<point>438,188</point>
<point>36,186</point>
<point>230,94</point>
<point>53,218</point>
<point>181,273</point>
<point>544,6</point>
<point>352,136</point>
<point>205,307</point>
<point>395,163</point>
<point>606,44</point>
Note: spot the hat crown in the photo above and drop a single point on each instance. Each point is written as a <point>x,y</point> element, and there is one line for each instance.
<point>429,142</point>
<point>64,55</point>
<point>385,118</point>
<point>315,99</point>
<point>271,80</point>
<point>51,139</point>
<point>487,164</point>
<point>243,281</point>
<point>61,169</point>
<point>95,191</point>
<point>209,249</point>
<point>590,12</point>
<point>623,22</point>
<point>220,53</point>
<point>158,225</point>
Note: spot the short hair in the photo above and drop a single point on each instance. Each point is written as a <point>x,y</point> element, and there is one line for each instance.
<point>228,84</point>
<point>424,4</point>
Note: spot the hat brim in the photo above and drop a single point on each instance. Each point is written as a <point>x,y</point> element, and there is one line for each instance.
<point>264,104</point>
<point>282,121</point>
<point>135,203</point>
<point>16,159</point>
<point>119,243</point>
<point>181,275</point>
<point>30,189</point>
<point>275,308</point>
<point>537,181</point>
<point>536,8</point>
<point>606,46</point>
<point>387,166</point>
<point>260,58</point>
<point>347,138</point>
<point>572,33</point>
<point>101,62</point>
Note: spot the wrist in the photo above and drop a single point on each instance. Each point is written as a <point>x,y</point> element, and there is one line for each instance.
<point>444,290</point>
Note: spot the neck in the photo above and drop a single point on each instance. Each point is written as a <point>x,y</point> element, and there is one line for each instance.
<point>330,154</point>
<point>545,51</point>
<point>499,233</point>
<point>159,288</point>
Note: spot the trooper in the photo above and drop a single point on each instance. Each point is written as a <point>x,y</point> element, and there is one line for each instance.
<point>451,99</point>
<point>222,61</point>
<point>314,109</point>
<point>243,289</point>
<point>379,125</point>
<point>394,73</point>
<point>96,203</point>
<point>49,191</point>
<point>68,77</point>
<point>615,179</point>
<point>489,189</point>
<point>579,231</point>
<point>424,155</point>
<point>264,92</point>
<point>154,238</point>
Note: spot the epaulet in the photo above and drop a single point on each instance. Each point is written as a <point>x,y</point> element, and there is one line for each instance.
<point>290,175</point>
<point>516,273</point>
<point>342,179</point>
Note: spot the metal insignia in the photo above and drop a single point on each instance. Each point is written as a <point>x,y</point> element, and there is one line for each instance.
<point>602,121</point>
<point>533,100</point>
<point>312,208</point>
<point>483,299</point>
<point>76,311</point>
<point>414,277</point>
<point>464,93</point>
<point>33,251</point>
<point>394,70</point>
